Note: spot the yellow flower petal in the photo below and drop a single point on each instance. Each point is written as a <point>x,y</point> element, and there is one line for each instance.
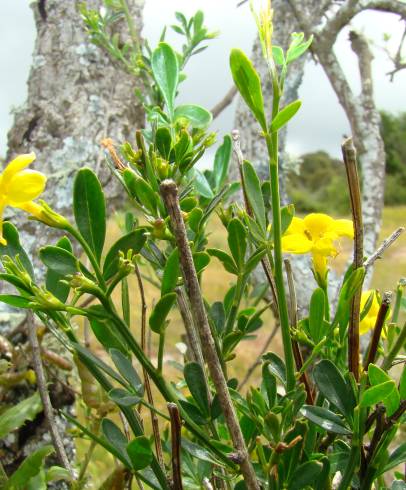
<point>296,244</point>
<point>320,264</point>
<point>317,224</point>
<point>296,226</point>
<point>16,165</point>
<point>369,320</point>
<point>325,246</point>
<point>25,186</point>
<point>344,227</point>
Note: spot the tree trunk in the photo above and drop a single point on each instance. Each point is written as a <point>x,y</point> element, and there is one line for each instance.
<point>76,97</point>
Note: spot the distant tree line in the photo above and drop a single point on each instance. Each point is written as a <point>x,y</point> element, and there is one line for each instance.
<point>318,183</point>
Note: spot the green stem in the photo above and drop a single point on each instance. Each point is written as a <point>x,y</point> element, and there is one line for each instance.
<point>88,251</point>
<point>161,350</point>
<point>131,25</point>
<point>398,299</point>
<point>272,145</point>
<point>239,291</point>
<point>387,363</point>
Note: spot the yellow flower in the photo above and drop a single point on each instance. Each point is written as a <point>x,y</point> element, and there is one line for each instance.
<point>316,234</point>
<point>19,187</point>
<point>264,21</point>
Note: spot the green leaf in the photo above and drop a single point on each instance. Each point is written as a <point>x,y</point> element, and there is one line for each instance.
<point>13,418</point>
<point>200,260</point>
<point>59,260</point>
<point>324,418</point>
<point>278,56</point>
<point>89,209</point>
<point>56,473</point>
<point>316,315</point>
<point>254,260</point>
<point>140,453</point>
<point>270,384</point>
<point>332,385</point>
<point>53,279</point>
<point>115,437</point>
<point>201,185</point>
<point>163,141</point>
<point>218,316</point>
<point>285,115</point>
<point>146,195</point>
<point>377,393</point>
<point>161,311</point>
<point>297,49</point>
<point>195,380</point>
<point>221,162</point>
<point>14,248</point>
<point>28,469</point>
<point>254,194</point>
<point>15,301</point>
<point>197,116</point>
<point>377,377</point>
<point>276,366</point>
<point>164,64</point>
<point>134,241</point>
<point>305,475</point>
<point>248,84</point>
<point>193,412</point>
<point>126,369</point>
<point>123,398</point>
<point>171,273</point>
<point>107,335</point>
<point>237,242</point>
<point>396,458</point>
<point>225,259</point>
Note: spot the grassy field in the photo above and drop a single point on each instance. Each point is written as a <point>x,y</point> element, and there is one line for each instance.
<point>215,284</point>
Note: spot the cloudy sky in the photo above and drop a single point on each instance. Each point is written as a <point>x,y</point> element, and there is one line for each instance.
<point>320,123</point>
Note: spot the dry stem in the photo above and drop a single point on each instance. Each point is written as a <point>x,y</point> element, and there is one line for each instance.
<point>170,196</point>
<point>43,391</point>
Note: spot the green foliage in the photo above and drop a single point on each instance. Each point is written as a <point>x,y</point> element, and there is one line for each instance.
<point>308,416</point>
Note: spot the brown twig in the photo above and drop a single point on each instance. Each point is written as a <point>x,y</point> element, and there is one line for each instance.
<point>43,391</point>
<point>154,418</point>
<point>349,156</point>
<point>293,321</point>
<point>385,244</point>
<point>380,319</point>
<point>192,335</point>
<point>170,196</point>
<point>176,427</point>
<point>224,102</point>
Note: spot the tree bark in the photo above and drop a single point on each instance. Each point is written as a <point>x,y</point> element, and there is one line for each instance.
<point>76,97</point>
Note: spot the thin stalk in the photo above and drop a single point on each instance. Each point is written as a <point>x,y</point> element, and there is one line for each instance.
<point>125,301</point>
<point>350,160</point>
<point>239,291</point>
<point>398,299</point>
<point>88,457</point>
<point>297,354</point>
<point>380,319</point>
<point>154,418</point>
<point>44,394</point>
<point>272,146</point>
<point>131,25</point>
<point>399,343</point>
<point>353,460</point>
<point>88,251</point>
<point>161,347</point>
<point>176,427</point>
<point>170,196</point>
